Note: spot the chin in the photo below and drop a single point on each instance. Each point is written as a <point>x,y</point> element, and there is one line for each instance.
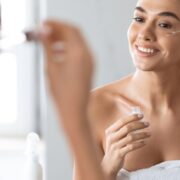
<point>145,66</point>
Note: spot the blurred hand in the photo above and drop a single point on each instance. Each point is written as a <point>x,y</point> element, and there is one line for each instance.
<point>120,140</point>
<point>69,67</point>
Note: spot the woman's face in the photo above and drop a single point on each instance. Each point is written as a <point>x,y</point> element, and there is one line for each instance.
<point>152,44</point>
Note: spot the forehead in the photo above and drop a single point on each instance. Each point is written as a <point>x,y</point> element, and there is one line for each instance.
<point>157,6</point>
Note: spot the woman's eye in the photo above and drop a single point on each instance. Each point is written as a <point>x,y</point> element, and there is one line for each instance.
<point>138,19</point>
<point>165,25</point>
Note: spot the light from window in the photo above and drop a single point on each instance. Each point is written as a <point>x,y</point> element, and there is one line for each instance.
<point>13,15</point>
<point>18,70</point>
<point>8,88</point>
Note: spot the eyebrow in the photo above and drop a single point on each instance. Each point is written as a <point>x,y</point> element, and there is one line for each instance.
<point>166,13</point>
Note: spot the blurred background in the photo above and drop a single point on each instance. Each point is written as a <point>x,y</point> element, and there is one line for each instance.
<point>25,105</point>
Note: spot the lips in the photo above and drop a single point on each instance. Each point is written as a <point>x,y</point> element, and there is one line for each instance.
<point>146,51</point>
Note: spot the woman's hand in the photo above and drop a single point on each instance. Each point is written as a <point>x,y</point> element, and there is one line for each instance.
<point>120,140</point>
<point>69,68</point>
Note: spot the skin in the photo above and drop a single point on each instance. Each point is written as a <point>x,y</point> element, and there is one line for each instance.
<point>153,87</point>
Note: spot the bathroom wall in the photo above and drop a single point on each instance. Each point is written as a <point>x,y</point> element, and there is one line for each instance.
<point>105,25</point>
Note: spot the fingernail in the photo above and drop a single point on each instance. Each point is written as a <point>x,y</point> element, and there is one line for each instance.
<point>137,111</point>
<point>58,46</point>
<point>146,123</point>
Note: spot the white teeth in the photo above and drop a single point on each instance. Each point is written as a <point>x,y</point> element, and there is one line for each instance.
<point>146,50</point>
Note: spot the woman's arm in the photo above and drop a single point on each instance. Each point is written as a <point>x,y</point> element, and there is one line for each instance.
<point>69,70</point>
<point>85,154</point>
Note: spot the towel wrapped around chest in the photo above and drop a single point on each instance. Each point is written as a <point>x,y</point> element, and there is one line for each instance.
<point>168,170</point>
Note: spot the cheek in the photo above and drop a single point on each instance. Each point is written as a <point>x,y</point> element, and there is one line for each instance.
<point>170,50</point>
<point>171,46</point>
<point>175,47</point>
<point>131,35</point>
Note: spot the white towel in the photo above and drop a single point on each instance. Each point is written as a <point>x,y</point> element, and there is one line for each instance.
<point>167,170</point>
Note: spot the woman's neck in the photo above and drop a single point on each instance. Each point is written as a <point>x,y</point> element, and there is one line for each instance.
<point>157,89</point>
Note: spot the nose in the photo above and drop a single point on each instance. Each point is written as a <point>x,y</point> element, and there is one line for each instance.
<point>147,34</point>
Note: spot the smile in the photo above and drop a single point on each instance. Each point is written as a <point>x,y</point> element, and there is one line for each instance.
<point>146,51</point>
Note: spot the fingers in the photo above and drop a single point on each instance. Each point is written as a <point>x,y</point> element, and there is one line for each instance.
<point>121,133</point>
<point>117,151</point>
<point>63,41</point>
<point>59,32</point>
<point>130,147</point>
<point>120,123</point>
<point>121,138</point>
<point>125,130</point>
<point>52,37</point>
<point>132,138</point>
<point>58,40</point>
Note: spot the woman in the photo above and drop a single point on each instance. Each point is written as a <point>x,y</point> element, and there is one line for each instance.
<point>126,141</point>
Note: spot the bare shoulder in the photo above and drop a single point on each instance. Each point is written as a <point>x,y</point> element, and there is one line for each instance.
<point>106,102</point>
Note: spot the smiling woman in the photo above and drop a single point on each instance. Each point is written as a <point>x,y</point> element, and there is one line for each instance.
<point>129,143</point>
<point>130,146</point>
